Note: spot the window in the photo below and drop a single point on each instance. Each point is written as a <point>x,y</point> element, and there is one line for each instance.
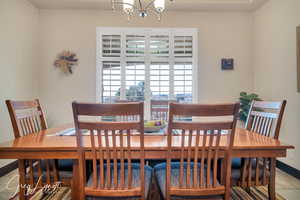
<point>143,64</point>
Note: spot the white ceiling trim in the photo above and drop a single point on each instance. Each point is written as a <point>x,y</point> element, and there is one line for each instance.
<point>176,5</point>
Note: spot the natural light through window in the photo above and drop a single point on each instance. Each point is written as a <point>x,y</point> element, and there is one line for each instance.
<point>140,64</point>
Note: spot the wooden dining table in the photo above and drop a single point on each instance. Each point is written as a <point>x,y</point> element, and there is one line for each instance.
<point>47,144</point>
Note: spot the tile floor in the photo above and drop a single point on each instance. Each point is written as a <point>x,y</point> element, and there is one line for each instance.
<point>286,185</point>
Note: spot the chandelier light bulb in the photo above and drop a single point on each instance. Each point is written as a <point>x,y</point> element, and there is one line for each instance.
<point>128,6</point>
<point>159,5</point>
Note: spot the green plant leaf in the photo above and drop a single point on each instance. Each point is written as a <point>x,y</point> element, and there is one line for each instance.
<point>243,94</point>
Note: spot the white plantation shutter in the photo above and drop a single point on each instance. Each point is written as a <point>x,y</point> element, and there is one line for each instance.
<point>159,45</point>
<point>183,46</point>
<point>143,64</point>
<point>111,81</point>
<point>135,80</point>
<point>183,81</point>
<point>111,45</point>
<point>160,80</point>
<point>135,45</point>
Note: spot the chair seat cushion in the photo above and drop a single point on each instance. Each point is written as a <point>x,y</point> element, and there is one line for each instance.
<point>136,181</point>
<point>236,163</point>
<point>160,174</point>
<point>65,165</point>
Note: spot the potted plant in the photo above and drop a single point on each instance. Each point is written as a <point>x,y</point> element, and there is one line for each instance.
<point>245,100</point>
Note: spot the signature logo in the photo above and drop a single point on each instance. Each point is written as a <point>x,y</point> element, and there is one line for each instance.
<point>30,189</point>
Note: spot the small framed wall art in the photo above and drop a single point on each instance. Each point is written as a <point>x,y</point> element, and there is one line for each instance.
<point>227,63</point>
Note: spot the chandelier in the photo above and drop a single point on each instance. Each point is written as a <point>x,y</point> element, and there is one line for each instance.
<point>137,7</point>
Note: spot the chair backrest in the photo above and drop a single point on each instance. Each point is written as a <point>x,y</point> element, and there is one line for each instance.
<point>110,141</point>
<point>124,101</point>
<point>265,117</point>
<point>26,116</point>
<point>200,143</point>
<point>160,109</point>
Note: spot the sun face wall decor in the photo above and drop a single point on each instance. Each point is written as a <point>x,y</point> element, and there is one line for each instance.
<point>66,61</point>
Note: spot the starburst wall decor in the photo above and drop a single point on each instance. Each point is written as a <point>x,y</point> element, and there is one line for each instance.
<point>66,61</point>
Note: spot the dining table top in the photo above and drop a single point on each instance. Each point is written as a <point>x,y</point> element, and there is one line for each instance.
<point>49,140</point>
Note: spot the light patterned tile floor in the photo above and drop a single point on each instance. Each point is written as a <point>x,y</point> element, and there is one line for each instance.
<point>286,185</point>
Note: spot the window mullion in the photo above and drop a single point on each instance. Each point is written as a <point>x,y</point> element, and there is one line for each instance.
<point>171,63</point>
<point>123,67</point>
<point>147,78</point>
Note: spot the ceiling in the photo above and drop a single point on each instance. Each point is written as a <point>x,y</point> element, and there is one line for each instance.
<point>178,5</point>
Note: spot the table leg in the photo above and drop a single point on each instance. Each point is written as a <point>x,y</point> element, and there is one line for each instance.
<point>271,189</point>
<point>228,178</point>
<point>76,181</point>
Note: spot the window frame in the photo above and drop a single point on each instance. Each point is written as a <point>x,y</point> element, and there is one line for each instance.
<point>147,59</point>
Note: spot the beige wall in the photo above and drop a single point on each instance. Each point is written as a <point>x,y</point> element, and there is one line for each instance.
<point>275,65</point>
<point>220,35</point>
<point>18,57</point>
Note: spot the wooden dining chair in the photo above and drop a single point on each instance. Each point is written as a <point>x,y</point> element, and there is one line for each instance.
<point>264,118</point>
<point>126,117</point>
<point>114,174</point>
<point>197,146</point>
<point>27,117</point>
<point>160,109</point>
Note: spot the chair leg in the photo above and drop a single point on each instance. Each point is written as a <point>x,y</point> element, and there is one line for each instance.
<point>271,186</point>
<point>21,179</point>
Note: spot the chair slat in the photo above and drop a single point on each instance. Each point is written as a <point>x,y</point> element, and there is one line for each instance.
<point>182,158</point>
<point>203,159</point>
<point>108,175</point>
<point>264,171</point>
<point>209,158</point>
<point>115,168</point>
<point>216,157</point>
<point>31,178</point>
<point>129,159</point>
<point>101,161</point>
<point>122,161</point>
<point>95,182</point>
<point>250,172</point>
<point>257,171</point>
<point>244,172</point>
<point>55,170</point>
<point>195,179</point>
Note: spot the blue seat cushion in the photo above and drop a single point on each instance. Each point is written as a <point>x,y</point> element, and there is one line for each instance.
<point>65,165</point>
<point>136,181</point>
<point>236,163</point>
<point>160,174</point>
